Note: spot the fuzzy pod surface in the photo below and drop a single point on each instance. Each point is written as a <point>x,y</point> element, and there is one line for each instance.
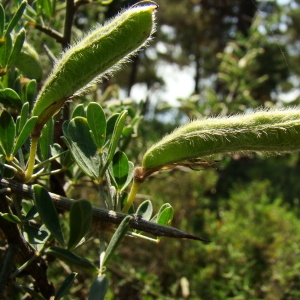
<point>98,54</point>
<point>269,132</point>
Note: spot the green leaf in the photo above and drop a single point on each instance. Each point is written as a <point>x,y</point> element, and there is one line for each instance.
<point>67,160</point>
<point>23,117</point>
<point>48,7</point>
<point>165,216</point>
<point>130,174</point>
<point>145,210</point>
<point>46,139</point>
<point>157,216</point>
<point>98,288</point>
<point>28,62</point>
<point>97,122</point>
<point>2,20</point>
<point>70,258</point>
<point>120,169</point>
<point>18,44</point>
<point>16,18</point>
<point>80,221</point>
<point>10,217</point>
<point>32,212</point>
<point>115,139</point>
<point>47,211</point>
<point>10,98</point>
<point>65,286</point>
<point>5,50</point>
<point>78,111</point>
<point>24,134</point>
<point>127,131</point>
<point>110,126</point>
<point>34,235</point>
<point>31,92</point>
<point>116,239</point>
<point>82,147</point>
<point>7,133</point>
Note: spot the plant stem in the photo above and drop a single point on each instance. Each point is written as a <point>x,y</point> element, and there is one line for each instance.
<point>31,160</point>
<point>131,196</point>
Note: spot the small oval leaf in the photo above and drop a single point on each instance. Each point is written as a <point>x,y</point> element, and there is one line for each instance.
<point>16,18</point>
<point>46,140</point>
<point>70,258</point>
<point>120,169</point>
<point>116,239</point>
<point>18,44</point>
<point>165,217</point>
<point>34,235</point>
<point>78,111</point>
<point>24,134</point>
<point>23,117</point>
<point>10,98</point>
<point>10,217</point>
<point>145,210</point>
<point>98,288</point>
<point>97,122</point>
<point>80,221</point>
<point>115,139</point>
<point>47,211</point>
<point>64,288</point>
<point>82,147</point>
<point>7,133</point>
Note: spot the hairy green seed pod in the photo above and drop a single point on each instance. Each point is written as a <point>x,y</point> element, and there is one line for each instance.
<point>269,132</point>
<point>97,55</point>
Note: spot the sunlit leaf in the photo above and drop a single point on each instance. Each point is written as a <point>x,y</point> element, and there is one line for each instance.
<point>16,18</point>
<point>18,44</point>
<point>165,216</point>
<point>78,111</point>
<point>120,169</point>
<point>23,117</point>
<point>161,210</point>
<point>10,217</point>
<point>97,122</point>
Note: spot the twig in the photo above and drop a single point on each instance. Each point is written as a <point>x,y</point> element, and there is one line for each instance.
<point>49,31</point>
<point>101,216</point>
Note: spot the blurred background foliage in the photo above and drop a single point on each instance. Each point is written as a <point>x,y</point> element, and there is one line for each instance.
<point>241,55</point>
